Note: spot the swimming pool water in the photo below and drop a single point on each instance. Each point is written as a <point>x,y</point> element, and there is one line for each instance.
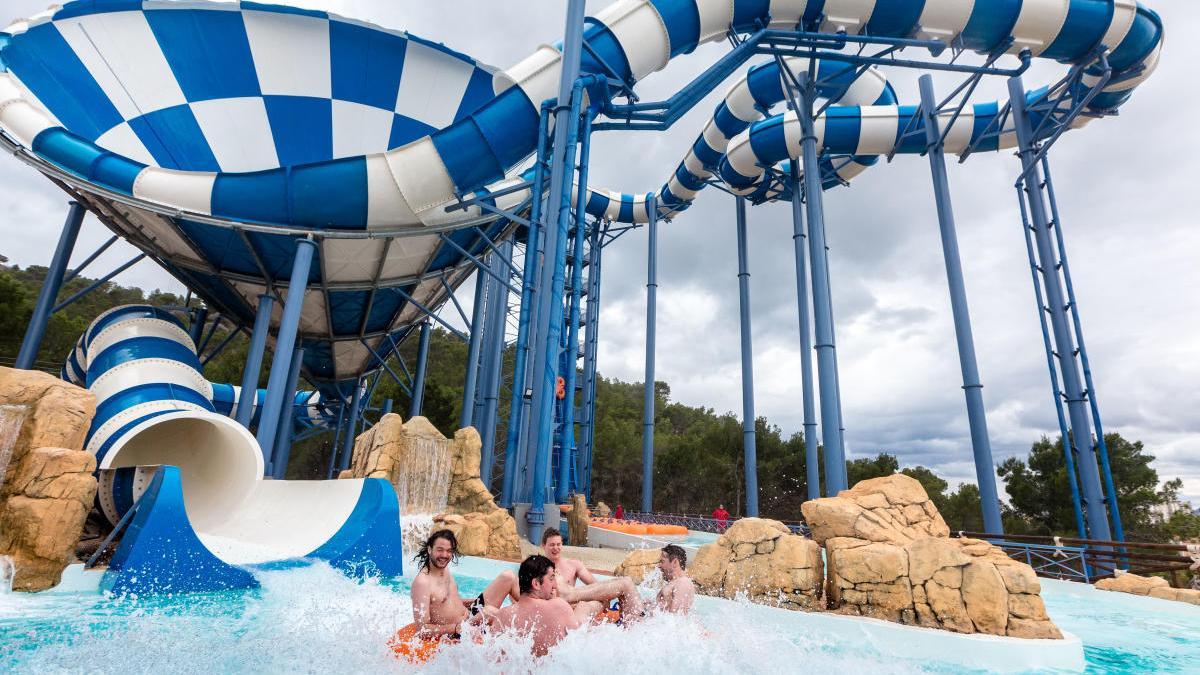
<point>311,619</point>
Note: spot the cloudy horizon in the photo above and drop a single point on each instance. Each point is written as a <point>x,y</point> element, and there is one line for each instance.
<point>1125,192</point>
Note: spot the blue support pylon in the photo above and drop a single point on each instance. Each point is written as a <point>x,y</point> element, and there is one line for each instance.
<point>356,404</point>
<point>418,390</point>
<point>254,358</point>
<point>981,445</point>
<point>466,417</point>
<point>800,244</point>
<point>493,358</point>
<point>27,355</point>
<point>287,425</point>
<point>1080,433</point>
<point>749,445</point>
<point>648,384</point>
<point>591,341</point>
<point>285,344</point>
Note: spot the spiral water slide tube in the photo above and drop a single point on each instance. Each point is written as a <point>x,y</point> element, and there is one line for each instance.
<point>205,511</point>
<point>212,134</point>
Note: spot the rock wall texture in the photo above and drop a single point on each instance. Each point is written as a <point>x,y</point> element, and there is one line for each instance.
<point>763,560</point>
<point>1153,587</point>
<point>890,557</point>
<point>639,564</point>
<point>48,487</point>
<point>433,474</point>
<point>578,520</point>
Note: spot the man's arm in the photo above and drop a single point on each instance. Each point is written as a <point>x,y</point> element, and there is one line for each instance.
<point>565,615</point>
<point>421,593</point>
<point>584,574</point>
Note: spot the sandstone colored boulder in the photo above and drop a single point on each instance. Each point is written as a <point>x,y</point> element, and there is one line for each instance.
<point>578,520</point>
<point>434,474</point>
<point>602,510</point>
<point>639,564</point>
<point>1154,587</point>
<point>763,560</point>
<point>890,557</point>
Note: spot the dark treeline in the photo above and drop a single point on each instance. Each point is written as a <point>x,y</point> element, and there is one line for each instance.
<point>698,452</point>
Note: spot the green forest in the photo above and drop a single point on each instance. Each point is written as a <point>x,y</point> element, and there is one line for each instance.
<point>698,451</point>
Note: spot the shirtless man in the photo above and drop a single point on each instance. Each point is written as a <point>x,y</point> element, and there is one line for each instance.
<point>594,595</point>
<point>678,594</point>
<point>539,612</point>
<point>438,610</point>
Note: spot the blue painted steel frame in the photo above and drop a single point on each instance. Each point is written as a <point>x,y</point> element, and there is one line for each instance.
<point>493,361</point>
<point>418,392</point>
<point>254,358</point>
<point>591,344</point>
<point>356,405</point>
<point>467,414</point>
<point>981,445</point>
<point>283,436</point>
<point>749,445</point>
<point>799,243</point>
<point>36,330</point>
<point>285,344</point>
<point>648,384</point>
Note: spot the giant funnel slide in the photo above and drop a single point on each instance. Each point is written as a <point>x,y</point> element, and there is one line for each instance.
<point>204,510</point>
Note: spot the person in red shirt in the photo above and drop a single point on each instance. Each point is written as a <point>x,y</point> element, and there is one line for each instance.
<point>619,514</point>
<point>722,517</point>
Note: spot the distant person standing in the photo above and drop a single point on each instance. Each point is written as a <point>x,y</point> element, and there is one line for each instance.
<point>619,514</point>
<point>721,516</point>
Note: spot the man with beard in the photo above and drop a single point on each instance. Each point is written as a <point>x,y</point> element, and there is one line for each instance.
<point>539,612</point>
<point>438,610</point>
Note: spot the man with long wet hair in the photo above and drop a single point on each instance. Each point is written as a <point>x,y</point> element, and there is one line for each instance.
<point>438,610</point>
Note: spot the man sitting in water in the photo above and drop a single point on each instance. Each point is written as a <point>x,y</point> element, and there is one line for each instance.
<point>678,594</point>
<point>438,610</point>
<point>539,611</point>
<point>587,600</point>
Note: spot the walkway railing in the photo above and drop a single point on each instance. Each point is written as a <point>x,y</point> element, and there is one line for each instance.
<point>701,523</point>
<point>1090,560</point>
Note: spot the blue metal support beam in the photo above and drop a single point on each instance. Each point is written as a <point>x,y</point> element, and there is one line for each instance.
<point>36,330</point>
<point>287,424</point>
<point>196,326</point>
<point>550,308</point>
<point>981,445</point>
<point>827,370</point>
<point>1080,436</point>
<point>356,404</point>
<point>418,392</point>
<point>387,407</point>
<point>337,441</point>
<point>285,344</point>
<point>466,416</point>
<point>98,283</point>
<point>254,359</point>
<point>648,384</point>
<point>78,269</point>
<point>749,446</point>
<point>493,361</point>
<point>799,243</point>
<point>591,341</point>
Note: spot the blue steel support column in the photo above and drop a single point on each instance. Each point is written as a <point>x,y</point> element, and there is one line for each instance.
<point>467,416</point>
<point>812,463</point>
<point>1081,431</point>
<point>387,407</point>
<point>254,359</point>
<point>418,391</point>
<point>831,406</point>
<point>516,416</point>
<point>985,471</point>
<point>493,359</point>
<point>591,343</point>
<point>36,330</point>
<point>285,344</point>
<point>550,309</point>
<point>196,326</point>
<point>337,441</point>
<point>351,425</point>
<point>748,418</point>
<point>567,440</point>
<point>648,394</point>
<point>287,423</point>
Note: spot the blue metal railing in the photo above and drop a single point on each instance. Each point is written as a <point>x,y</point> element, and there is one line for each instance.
<point>700,523</point>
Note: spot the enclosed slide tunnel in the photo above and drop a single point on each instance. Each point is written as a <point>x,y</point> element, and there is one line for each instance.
<point>155,409</point>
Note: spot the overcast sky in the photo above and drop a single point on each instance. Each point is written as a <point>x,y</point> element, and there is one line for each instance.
<point>1126,187</point>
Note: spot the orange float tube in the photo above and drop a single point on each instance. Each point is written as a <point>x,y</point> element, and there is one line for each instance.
<point>414,648</point>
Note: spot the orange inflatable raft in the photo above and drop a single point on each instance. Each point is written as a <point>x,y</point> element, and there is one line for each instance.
<point>635,527</point>
<point>407,644</point>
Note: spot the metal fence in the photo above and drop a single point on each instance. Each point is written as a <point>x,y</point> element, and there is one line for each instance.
<point>700,523</point>
<point>1090,560</point>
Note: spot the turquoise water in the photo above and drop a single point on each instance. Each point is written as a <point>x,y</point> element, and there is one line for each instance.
<point>311,619</point>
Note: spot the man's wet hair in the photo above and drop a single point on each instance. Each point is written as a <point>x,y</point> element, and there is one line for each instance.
<point>550,532</point>
<point>534,567</point>
<point>677,554</point>
<point>422,556</point>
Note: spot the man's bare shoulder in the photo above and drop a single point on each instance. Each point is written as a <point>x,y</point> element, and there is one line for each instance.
<point>421,581</point>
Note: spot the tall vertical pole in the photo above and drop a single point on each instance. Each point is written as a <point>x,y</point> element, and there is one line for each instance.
<point>567,440</point>
<point>387,407</point>
<point>285,344</point>
<point>1081,431</point>
<point>520,398</point>
<point>196,327</point>
<point>418,391</point>
<point>254,359</point>
<point>351,425</point>
<point>36,330</point>
<point>812,463</point>
<point>467,416</point>
<point>831,406</point>
<point>550,308</point>
<point>591,341</point>
<point>287,423</point>
<point>981,445</point>
<point>494,360</point>
<point>337,441</point>
<point>749,446</point>
<point>648,393</point>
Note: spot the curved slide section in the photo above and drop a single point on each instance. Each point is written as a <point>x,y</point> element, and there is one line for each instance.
<point>155,414</point>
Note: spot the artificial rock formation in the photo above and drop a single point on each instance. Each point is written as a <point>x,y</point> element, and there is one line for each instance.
<point>433,474</point>
<point>890,557</point>
<point>578,520</point>
<point>763,560</point>
<point>1154,587</point>
<point>48,487</point>
<point>639,564</point>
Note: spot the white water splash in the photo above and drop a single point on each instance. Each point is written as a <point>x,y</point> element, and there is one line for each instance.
<point>11,419</point>
<point>423,480</point>
<point>8,572</point>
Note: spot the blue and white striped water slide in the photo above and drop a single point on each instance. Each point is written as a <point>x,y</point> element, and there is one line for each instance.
<point>213,134</point>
